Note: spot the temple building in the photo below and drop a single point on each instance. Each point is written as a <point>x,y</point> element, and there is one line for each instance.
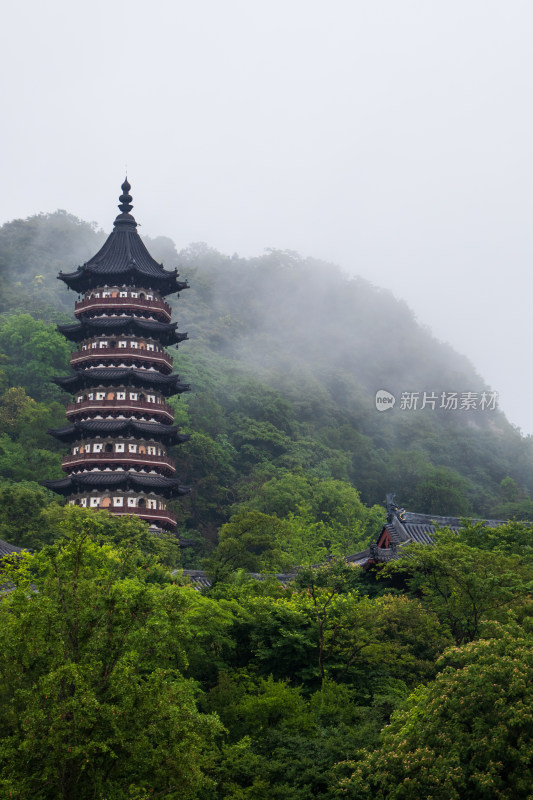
<point>401,529</point>
<point>120,424</point>
<point>407,527</point>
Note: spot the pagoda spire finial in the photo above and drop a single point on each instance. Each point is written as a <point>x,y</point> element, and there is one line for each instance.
<point>125,198</point>
<point>125,205</point>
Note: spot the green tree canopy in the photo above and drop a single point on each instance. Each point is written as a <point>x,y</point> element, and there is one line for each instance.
<point>93,700</point>
<point>468,735</point>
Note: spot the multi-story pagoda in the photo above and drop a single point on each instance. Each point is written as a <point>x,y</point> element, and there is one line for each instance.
<point>119,422</point>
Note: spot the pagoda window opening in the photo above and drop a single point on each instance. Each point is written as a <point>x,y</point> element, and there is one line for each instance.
<point>142,502</point>
<point>94,501</point>
<point>106,502</point>
<point>119,448</point>
<point>118,501</point>
<point>133,395</point>
<point>83,502</point>
<point>122,344</point>
<point>110,396</point>
<point>132,501</point>
<point>109,447</point>
<point>121,395</point>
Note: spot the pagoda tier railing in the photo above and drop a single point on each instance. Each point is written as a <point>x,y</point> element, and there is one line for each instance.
<point>150,514</point>
<point>141,459</point>
<point>129,353</point>
<point>131,303</point>
<point>129,406</point>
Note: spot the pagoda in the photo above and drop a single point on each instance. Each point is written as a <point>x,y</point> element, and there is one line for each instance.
<point>120,424</point>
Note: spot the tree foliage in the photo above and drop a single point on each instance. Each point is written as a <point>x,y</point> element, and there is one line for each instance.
<point>468,735</point>
<point>93,698</point>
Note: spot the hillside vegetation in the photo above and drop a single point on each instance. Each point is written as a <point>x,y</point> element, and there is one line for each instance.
<point>120,680</point>
<point>284,359</point>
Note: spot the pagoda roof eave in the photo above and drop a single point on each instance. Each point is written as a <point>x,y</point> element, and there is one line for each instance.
<point>126,481</point>
<point>84,279</point>
<point>166,384</point>
<point>96,427</point>
<point>165,332</point>
<point>123,257</point>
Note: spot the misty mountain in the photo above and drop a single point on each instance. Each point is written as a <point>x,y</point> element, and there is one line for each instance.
<point>285,357</point>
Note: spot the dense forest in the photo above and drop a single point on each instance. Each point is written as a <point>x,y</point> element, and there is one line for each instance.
<point>121,681</point>
<point>284,358</point>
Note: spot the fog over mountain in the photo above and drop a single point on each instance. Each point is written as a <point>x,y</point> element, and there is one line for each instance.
<point>392,139</point>
<point>298,373</point>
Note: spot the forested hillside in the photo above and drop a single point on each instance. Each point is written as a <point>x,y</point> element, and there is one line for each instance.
<point>284,360</point>
<point>121,681</point>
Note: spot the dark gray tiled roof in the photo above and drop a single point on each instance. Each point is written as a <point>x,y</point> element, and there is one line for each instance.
<point>109,427</point>
<point>197,577</point>
<point>421,533</point>
<point>117,479</point>
<point>124,255</point>
<point>200,579</point>
<point>167,384</point>
<point>7,549</point>
<point>358,559</point>
<point>405,527</point>
<point>444,522</point>
<point>165,332</point>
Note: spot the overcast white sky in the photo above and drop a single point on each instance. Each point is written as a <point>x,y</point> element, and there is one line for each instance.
<point>393,137</point>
